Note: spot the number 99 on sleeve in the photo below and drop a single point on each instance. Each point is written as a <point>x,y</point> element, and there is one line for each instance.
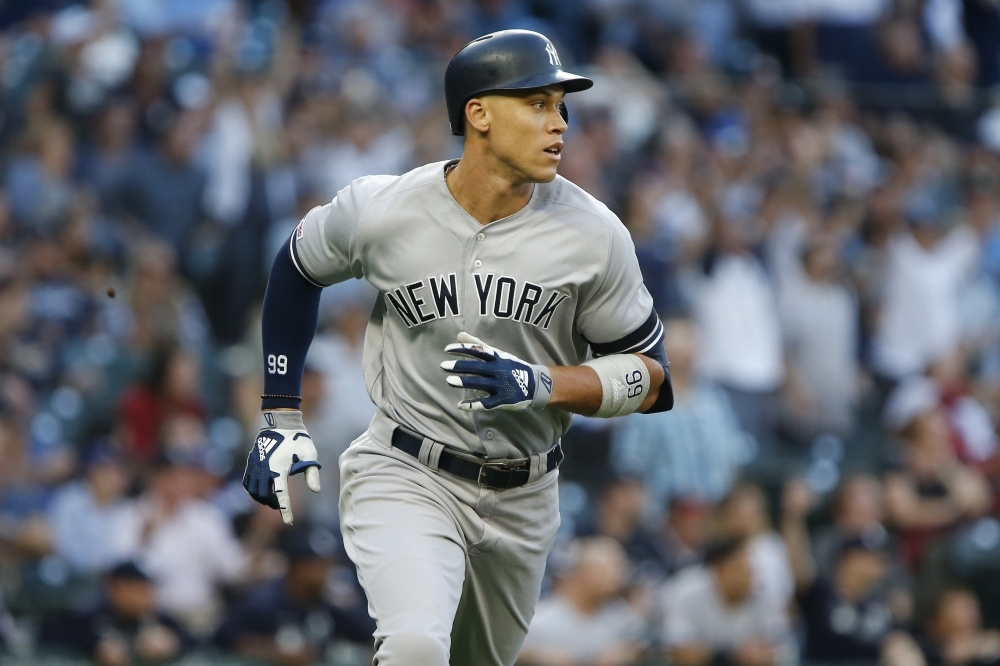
<point>277,364</point>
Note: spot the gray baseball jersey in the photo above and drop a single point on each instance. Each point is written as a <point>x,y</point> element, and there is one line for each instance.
<point>547,284</point>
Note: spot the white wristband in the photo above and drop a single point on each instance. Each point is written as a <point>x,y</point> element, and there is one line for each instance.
<point>625,382</point>
<point>283,419</point>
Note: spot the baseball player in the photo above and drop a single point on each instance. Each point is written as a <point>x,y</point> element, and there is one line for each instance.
<point>508,299</point>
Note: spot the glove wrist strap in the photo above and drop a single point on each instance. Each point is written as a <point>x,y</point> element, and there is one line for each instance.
<point>283,419</point>
<point>543,387</point>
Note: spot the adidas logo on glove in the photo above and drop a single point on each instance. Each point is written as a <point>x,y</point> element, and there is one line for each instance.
<point>522,380</point>
<point>265,444</point>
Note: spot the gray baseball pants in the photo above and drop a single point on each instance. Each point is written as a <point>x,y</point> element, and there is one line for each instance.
<point>452,571</point>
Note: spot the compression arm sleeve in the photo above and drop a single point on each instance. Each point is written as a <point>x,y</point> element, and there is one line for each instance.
<point>291,311</point>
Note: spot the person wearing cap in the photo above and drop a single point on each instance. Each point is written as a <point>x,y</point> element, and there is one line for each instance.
<point>847,614</point>
<point>932,491</point>
<point>85,515</point>
<point>124,628</point>
<point>295,619</point>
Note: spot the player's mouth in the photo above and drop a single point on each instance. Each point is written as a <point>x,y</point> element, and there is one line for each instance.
<point>555,150</point>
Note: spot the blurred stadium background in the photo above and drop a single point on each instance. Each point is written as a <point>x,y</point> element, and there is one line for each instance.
<point>813,188</point>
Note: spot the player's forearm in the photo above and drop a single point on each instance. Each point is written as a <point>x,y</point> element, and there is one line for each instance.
<point>578,389</point>
<point>291,311</point>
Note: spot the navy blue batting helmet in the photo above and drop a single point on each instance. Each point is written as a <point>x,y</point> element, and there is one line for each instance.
<point>505,60</point>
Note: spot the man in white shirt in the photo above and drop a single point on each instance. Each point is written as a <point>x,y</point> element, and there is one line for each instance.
<point>928,265</point>
<point>185,544</point>
<point>741,338</point>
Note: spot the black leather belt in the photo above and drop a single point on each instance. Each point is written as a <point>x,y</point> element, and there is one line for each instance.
<point>499,475</point>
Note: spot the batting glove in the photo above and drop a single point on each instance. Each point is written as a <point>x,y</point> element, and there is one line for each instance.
<point>282,449</point>
<point>502,380</point>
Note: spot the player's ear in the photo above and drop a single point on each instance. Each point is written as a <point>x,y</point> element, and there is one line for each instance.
<point>477,115</point>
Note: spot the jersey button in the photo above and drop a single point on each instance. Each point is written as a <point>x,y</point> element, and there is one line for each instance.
<point>489,434</point>
<point>477,264</point>
<point>481,236</point>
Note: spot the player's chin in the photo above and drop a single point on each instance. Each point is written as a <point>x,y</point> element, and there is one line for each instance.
<point>544,173</point>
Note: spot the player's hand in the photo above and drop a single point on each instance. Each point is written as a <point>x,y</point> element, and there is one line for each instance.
<point>501,380</point>
<point>282,449</point>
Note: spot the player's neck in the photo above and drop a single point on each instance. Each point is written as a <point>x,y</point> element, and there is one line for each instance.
<point>485,190</point>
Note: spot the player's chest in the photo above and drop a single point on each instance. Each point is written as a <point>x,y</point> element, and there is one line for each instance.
<point>523,273</point>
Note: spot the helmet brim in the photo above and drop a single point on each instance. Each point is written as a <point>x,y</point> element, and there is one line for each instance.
<point>571,83</point>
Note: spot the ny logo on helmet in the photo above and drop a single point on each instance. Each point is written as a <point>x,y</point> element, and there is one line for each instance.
<point>553,56</point>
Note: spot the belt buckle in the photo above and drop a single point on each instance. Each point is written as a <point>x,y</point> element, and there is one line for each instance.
<point>499,464</point>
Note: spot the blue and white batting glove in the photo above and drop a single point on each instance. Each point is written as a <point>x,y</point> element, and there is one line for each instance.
<point>501,380</point>
<point>283,449</point>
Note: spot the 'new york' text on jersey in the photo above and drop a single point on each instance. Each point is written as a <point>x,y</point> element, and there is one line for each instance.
<point>544,284</point>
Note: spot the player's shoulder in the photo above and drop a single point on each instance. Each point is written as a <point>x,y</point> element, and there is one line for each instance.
<point>367,189</point>
<point>567,198</point>
<point>379,188</point>
<point>572,206</point>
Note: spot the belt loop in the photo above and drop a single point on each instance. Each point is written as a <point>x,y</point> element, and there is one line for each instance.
<point>538,467</point>
<point>430,453</point>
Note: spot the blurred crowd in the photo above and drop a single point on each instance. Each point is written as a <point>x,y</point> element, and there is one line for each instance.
<point>813,189</point>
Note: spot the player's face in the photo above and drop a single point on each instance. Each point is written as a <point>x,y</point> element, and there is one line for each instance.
<point>525,132</point>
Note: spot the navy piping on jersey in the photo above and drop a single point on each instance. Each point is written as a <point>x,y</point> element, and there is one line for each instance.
<point>294,253</point>
<point>637,342</point>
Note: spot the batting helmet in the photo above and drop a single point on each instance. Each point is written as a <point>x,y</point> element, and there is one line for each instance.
<point>505,60</point>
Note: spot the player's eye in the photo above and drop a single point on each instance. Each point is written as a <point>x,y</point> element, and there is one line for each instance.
<point>539,104</point>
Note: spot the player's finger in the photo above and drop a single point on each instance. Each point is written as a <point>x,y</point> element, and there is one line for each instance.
<point>468,368</point>
<point>470,351</point>
<point>281,492</point>
<point>312,478</point>
<point>485,386</point>
<point>470,339</point>
<point>472,405</point>
<point>263,490</point>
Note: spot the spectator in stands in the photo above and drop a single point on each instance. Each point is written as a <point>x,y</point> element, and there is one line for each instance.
<point>685,534</point>
<point>124,629</point>
<point>585,621</point>
<point>714,615</point>
<point>927,267</point>
<point>620,504</point>
<point>292,619</point>
<point>744,514</point>
<point>172,387</point>
<point>84,516</point>
<point>737,315</point>
<point>185,543</point>
<point>955,635</point>
<point>163,190</point>
<point>819,325</point>
<point>38,181</point>
<point>159,308</point>
<point>847,616</point>
<point>858,508</point>
<point>932,491</point>
<point>695,450</point>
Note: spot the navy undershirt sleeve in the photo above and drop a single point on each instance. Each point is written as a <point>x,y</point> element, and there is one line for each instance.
<point>291,311</point>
